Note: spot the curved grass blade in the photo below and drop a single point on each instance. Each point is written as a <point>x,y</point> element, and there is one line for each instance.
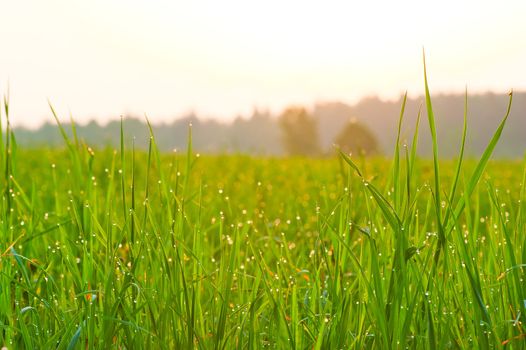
<point>436,169</point>
<point>481,165</point>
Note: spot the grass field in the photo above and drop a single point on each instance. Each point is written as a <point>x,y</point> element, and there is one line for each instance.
<point>139,249</point>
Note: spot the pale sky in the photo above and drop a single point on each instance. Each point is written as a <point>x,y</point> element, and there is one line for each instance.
<point>103,58</point>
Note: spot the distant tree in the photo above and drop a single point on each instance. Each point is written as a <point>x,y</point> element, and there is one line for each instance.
<point>299,132</point>
<point>357,138</point>
<point>259,134</point>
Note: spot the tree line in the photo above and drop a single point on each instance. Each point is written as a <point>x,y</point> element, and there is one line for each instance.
<point>300,135</point>
<point>313,131</point>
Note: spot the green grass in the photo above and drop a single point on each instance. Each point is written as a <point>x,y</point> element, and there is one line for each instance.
<point>135,249</point>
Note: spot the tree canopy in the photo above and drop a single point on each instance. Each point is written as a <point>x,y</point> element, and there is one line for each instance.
<point>358,139</point>
<point>299,132</point>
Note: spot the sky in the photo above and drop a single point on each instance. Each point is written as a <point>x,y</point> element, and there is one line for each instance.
<point>100,59</point>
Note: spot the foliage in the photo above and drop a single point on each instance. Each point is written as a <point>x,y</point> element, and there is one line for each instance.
<point>260,134</point>
<point>118,248</point>
<point>357,138</point>
<point>300,134</point>
<point>257,135</point>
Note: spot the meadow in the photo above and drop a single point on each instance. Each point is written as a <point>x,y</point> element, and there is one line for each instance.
<point>127,249</point>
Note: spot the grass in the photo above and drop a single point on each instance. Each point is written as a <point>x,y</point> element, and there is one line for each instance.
<point>118,248</point>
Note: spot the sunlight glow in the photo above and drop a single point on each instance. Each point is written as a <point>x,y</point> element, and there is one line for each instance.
<point>100,58</point>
